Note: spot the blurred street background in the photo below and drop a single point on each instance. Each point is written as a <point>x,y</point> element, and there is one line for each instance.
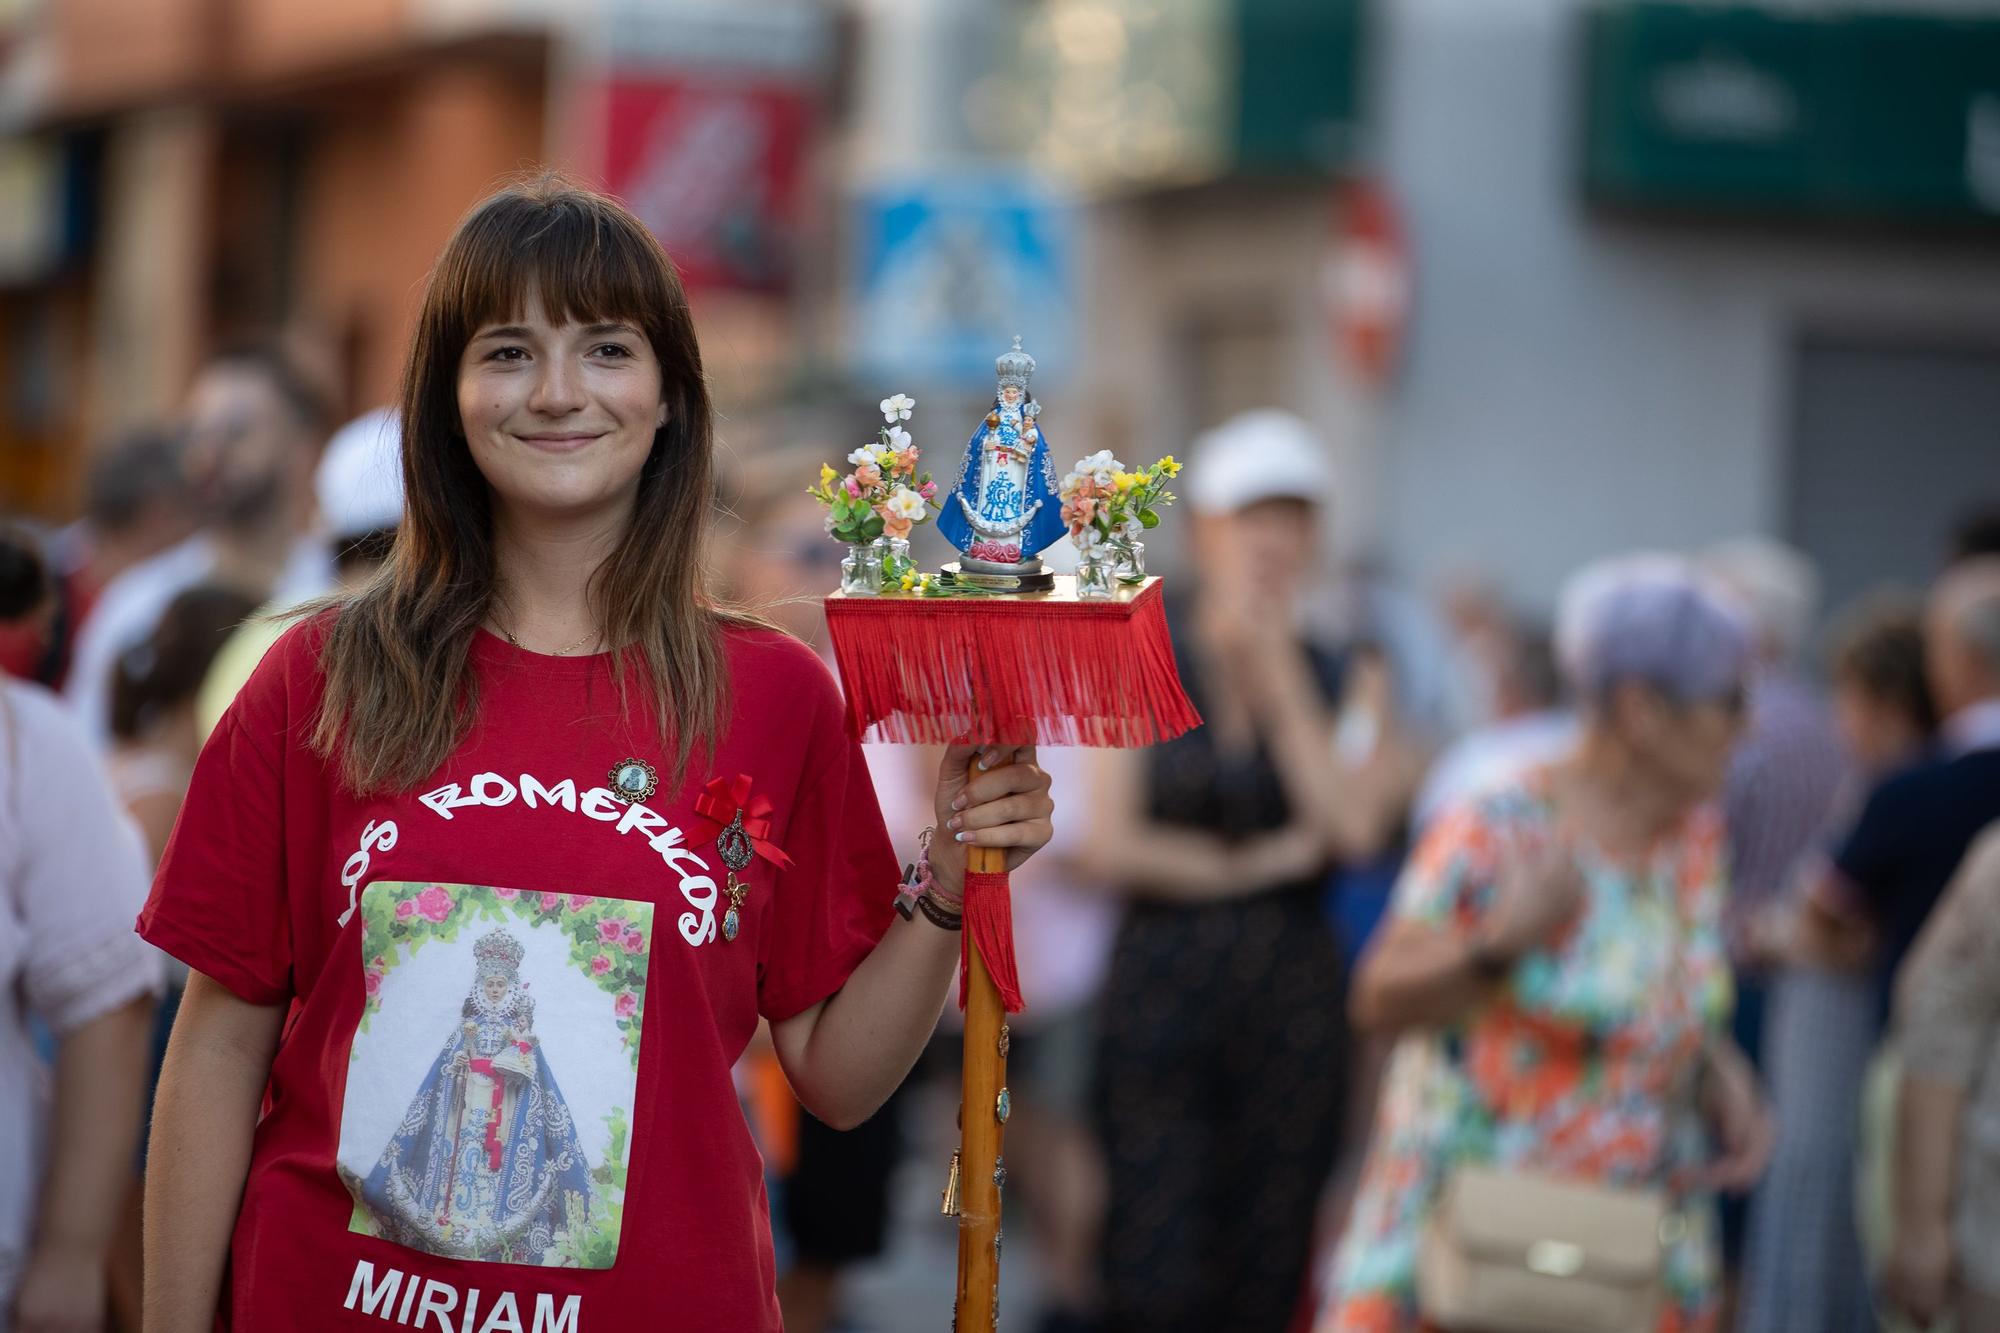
<point>1548,281</point>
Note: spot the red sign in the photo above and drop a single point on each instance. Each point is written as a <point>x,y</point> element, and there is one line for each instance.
<point>1365,282</point>
<point>715,169</point>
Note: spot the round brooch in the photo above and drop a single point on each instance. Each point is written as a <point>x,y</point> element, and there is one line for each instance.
<point>633,780</point>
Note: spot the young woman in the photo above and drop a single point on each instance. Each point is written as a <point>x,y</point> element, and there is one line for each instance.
<point>491,869</point>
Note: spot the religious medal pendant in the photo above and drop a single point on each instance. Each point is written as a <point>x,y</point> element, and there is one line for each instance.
<point>733,843</point>
<point>633,780</point>
<point>732,920</point>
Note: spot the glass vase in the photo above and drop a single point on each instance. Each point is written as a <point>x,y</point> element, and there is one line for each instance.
<point>1094,573</point>
<point>1131,561</point>
<point>898,563</point>
<point>861,569</point>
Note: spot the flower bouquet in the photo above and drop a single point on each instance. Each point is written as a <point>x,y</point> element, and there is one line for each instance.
<point>874,507</point>
<point>1109,510</point>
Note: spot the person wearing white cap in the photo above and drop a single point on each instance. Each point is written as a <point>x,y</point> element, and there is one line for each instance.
<point>1222,1050</point>
<point>359,489</point>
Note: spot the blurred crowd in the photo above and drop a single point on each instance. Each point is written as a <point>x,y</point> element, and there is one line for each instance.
<point>1692,883</point>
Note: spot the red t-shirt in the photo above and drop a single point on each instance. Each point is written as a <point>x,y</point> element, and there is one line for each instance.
<point>503,1099</point>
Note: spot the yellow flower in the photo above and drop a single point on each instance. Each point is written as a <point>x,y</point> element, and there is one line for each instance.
<point>827,474</point>
<point>1169,466</point>
<point>909,579</point>
<point>886,457</point>
<point>1125,481</point>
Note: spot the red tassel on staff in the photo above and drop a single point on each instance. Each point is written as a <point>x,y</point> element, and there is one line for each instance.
<point>1047,670</point>
<point>989,928</point>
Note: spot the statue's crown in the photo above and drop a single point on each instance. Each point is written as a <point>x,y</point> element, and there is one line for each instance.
<point>1015,367</point>
<point>497,951</point>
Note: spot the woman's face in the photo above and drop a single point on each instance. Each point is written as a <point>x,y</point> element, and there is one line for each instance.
<point>495,987</point>
<point>1686,746</point>
<point>560,417</point>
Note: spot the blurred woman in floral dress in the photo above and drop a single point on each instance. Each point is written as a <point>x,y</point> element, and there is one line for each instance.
<point>1554,963</point>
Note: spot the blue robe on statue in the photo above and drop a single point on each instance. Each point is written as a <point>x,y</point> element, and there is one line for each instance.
<point>486,1163</point>
<point>1042,531</point>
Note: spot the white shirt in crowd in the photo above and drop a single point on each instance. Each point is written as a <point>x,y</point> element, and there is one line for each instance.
<point>73,875</point>
<point>132,603</point>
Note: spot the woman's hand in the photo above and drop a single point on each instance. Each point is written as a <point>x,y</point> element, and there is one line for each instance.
<point>1742,1126</point>
<point>62,1291</point>
<point>1918,1278</point>
<point>1004,804</point>
<point>1539,891</point>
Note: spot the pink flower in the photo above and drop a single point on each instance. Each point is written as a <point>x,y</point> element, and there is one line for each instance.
<point>435,902</point>
<point>927,490</point>
<point>906,462</point>
<point>852,487</point>
<point>371,981</point>
<point>625,1005</point>
<point>635,942</point>
<point>579,901</point>
<point>868,476</point>
<point>610,930</point>
<point>551,901</point>
<point>894,526</point>
<point>507,893</point>
<point>405,910</point>
<point>599,965</point>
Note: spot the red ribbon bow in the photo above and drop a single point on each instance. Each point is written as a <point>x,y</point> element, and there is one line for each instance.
<point>723,800</point>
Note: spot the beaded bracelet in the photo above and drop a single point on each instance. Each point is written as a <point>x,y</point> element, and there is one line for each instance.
<point>919,891</point>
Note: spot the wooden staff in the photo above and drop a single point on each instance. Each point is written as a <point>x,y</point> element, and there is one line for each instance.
<point>1049,668</point>
<point>982,1130</point>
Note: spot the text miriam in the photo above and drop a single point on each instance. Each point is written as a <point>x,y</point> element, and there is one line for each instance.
<point>420,1302</point>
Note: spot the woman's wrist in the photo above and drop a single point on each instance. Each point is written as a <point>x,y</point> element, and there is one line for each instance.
<point>947,868</point>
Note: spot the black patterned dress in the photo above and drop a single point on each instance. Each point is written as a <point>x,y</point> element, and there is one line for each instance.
<point>1221,1068</point>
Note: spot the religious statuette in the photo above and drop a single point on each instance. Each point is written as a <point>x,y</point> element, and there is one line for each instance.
<point>1005,508</point>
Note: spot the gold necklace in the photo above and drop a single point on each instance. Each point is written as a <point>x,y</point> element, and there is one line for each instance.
<point>560,652</point>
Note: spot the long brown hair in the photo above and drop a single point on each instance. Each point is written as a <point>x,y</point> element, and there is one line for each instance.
<point>400,694</point>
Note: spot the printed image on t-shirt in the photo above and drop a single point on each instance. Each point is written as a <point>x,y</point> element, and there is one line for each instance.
<point>490,1085</point>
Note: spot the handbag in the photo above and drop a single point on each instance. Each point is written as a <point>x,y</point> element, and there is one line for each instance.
<point>1511,1251</point>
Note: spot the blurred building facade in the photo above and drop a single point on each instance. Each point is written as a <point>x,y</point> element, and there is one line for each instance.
<point>1688,270</point>
<point>1556,276</point>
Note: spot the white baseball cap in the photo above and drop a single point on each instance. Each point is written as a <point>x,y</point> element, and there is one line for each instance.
<point>1261,455</point>
<point>360,478</point>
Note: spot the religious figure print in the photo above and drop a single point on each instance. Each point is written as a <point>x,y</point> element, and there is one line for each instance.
<point>462,1135</point>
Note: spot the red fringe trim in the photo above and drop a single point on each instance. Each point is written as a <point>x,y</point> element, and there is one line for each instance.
<point>989,928</point>
<point>1047,671</point>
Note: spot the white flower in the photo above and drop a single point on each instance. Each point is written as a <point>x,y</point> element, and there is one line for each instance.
<point>899,439</point>
<point>1100,467</point>
<point>862,457</point>
<point>897,406</point>
<point>1087,537</point>
<point>905,503</point>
